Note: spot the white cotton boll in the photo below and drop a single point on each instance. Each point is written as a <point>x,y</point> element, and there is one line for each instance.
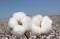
<point>19,15</point>
<point>41,25</point>
<point>18,30</point>
<point>26,22</point>
<point>46,25</point>
<point>37,19</point>
<point>19,23</point>
<point>12,22</point>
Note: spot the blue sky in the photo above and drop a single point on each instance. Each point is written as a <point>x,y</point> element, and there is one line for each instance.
<point>30,7</point>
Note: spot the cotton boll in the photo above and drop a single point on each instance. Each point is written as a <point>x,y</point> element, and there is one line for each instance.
<point>37,19</point>
<point>20,23</point>
<point>41,25</point>
<point>12,22</point>
<point>18,30</point>
<point>46,25</point>
<point>19,15</point>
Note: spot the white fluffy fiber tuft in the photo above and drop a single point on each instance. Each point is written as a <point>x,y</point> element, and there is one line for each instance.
<point>12,22</point>
<point>37,24</point>
<point>27,22</point>
<point>18,29</point>
<point>37,19</point>
<point>19,15</point>
<point>45,23</point>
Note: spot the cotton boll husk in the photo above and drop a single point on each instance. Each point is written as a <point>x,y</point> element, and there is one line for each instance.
<point>26,22</point>
<point>12,22</point>
<point>46,25</point>
<point>18,30</point>
<point>37,19</point>
<point>19,15</point>
<point>36,29</point>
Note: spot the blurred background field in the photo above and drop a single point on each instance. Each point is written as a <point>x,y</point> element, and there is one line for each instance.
<point>55,34</point>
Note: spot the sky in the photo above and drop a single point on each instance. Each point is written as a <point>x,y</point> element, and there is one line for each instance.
<point>30,7</point>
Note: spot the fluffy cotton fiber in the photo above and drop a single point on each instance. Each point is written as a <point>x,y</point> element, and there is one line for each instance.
<point>12,22</point>
<point>38,24</point>
<point>41,25</point>
<point>19,23</point>
<point>19,15</point>
<point>46,25</point>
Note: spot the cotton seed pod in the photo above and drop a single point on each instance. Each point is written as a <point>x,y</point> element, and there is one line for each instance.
<point>19,23</point>
<point>43,25</point>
